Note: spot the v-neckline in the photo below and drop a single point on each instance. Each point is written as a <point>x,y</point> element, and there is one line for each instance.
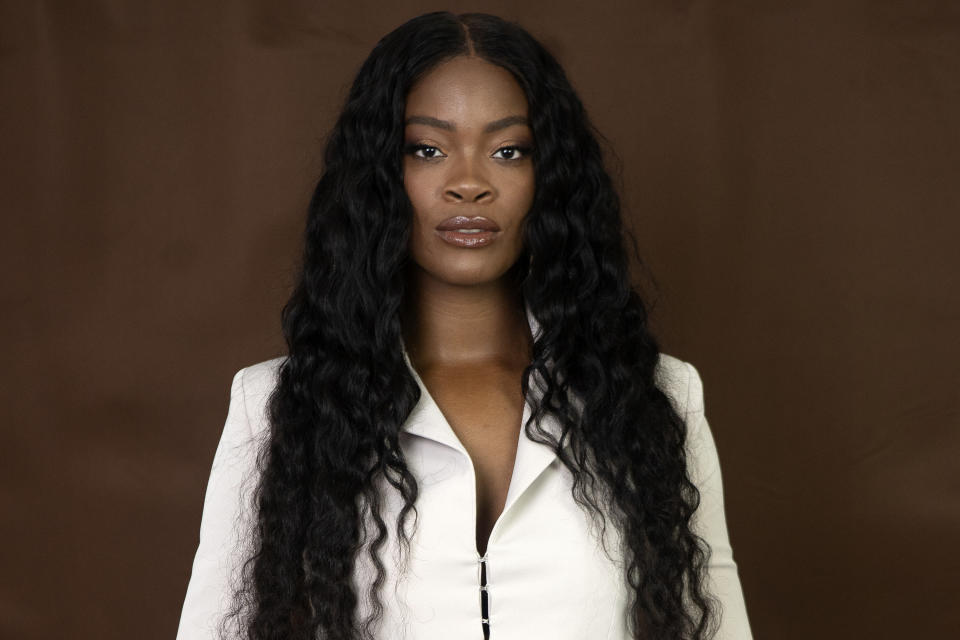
<point>427,421</point>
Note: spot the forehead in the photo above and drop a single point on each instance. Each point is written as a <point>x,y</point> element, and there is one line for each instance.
<point>466,89</point>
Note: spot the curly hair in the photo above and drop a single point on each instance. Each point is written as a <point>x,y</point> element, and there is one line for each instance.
<point>344,389</point>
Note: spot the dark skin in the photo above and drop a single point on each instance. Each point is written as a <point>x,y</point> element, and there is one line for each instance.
<point>464,324</point>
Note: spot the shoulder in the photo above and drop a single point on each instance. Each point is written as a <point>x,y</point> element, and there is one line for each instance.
<point>681,382</point>
<point>254,384</point>
<point>261,378</point>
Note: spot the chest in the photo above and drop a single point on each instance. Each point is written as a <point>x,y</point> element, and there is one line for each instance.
<point>484,408</point>
<point>547,575</point>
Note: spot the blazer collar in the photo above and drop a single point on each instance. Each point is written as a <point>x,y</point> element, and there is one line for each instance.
<point>427,421</point>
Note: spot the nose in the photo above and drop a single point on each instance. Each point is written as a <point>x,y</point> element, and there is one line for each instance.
<point>468,184</point>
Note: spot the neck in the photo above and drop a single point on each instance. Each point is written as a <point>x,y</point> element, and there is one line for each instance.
<point>451,324</point>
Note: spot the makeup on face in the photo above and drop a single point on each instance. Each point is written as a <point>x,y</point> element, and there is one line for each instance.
<point>462,231</point>
<point>467,170</point>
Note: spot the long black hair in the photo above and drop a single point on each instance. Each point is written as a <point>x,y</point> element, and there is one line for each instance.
<point>344,390</point>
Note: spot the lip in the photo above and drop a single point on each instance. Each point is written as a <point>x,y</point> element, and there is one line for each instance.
<point>468,232</point>
<point>457,223</point>
<point>468,240</point>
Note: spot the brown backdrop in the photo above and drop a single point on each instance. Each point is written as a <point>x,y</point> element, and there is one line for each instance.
<point>789,167</point>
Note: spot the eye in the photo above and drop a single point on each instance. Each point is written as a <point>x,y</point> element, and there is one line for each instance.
<point>512,153</point>
<point>424,151</point>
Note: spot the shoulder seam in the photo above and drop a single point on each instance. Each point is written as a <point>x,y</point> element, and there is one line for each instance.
<point>686,406</point>
<point>243,399</point>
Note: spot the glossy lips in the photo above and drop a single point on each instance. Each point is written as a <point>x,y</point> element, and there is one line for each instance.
<point>462,231</point>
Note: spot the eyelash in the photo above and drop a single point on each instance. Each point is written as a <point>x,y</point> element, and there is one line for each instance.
<point>411,149</point>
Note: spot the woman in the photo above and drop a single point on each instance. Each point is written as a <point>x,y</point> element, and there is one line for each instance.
<point>474,433</point>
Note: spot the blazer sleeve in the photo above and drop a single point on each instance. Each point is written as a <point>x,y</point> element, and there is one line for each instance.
<point>709,521</point>
<point>225,516</point>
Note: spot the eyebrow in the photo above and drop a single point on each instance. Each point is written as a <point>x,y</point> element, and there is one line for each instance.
<point>490,127</point>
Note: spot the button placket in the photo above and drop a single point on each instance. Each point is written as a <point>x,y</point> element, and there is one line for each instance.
<point>484,595</point>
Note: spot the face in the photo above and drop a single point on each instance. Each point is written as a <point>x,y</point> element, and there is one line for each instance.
<point>467,166</point>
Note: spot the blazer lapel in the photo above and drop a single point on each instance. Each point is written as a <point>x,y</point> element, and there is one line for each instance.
<point>427,421</point>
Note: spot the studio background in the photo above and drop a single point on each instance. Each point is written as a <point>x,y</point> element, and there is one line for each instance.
<point>790,170</point>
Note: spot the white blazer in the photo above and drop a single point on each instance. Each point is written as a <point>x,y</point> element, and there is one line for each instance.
<point>546,572</point>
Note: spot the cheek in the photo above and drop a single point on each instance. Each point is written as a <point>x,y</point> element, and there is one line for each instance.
<point>418,192</point>
<point>417,186</point>
<point>523,181</point>
<point>524,191</point>
<point>531,191</point>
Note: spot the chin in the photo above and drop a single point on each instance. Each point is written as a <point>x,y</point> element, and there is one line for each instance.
<point>466,275</point>
<point>468,278</point>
